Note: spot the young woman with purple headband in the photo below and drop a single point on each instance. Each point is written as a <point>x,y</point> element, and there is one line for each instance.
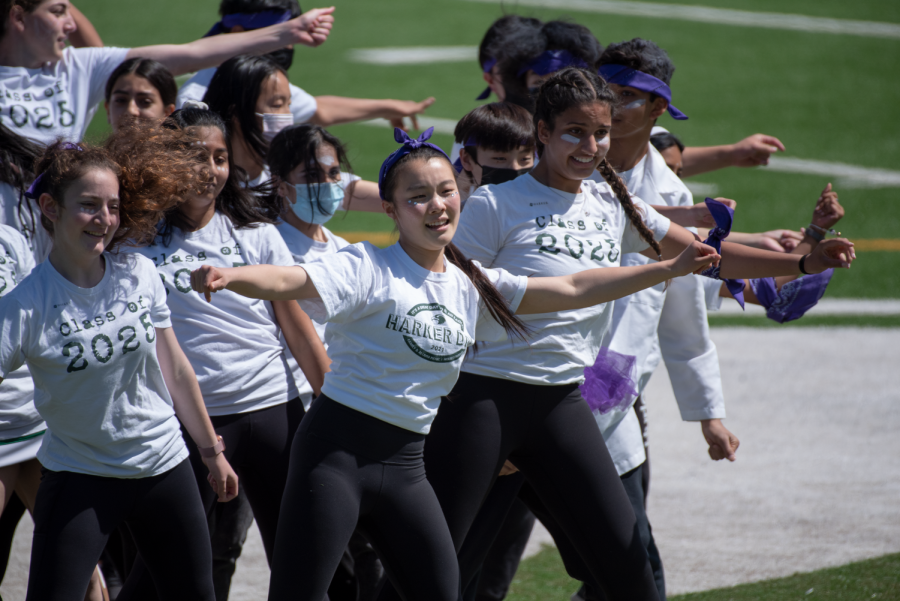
<point>520,401</point>
<point>401,319</point>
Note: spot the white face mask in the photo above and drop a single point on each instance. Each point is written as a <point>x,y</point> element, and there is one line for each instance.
<point>274,123</point>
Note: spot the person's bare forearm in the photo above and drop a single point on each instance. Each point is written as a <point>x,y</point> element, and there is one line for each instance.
<point>703,159</point>
<point>303,341</point>
<point>333,110</point>
<point>86,35</point>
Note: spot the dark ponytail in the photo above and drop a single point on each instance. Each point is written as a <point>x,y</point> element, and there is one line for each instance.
<point>574,87</point>
<point>494,301</point>
<point>17,158</point>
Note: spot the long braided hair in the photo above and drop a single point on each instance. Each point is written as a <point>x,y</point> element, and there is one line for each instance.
<point>573,87</point>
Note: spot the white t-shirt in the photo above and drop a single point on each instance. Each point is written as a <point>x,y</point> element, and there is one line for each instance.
<point>303,105</point>
<point>18,417</point>
<point>92,354</point>
<point>533,230</point>
<point>398,332</point>
<point>58,99</point>
<point>232,343</point>
<point>40,241</point>
<point>304,249</point>
<point>661,324</point>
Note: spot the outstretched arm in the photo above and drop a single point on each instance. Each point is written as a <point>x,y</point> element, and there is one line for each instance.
<point>333,110</point>
<point>266,282</point>
<point>310,29</point>
<point>190,409</point>
<point>749,152</point>
<point>604,284</point>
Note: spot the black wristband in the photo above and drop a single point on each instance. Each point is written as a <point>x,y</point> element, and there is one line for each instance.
<point>803,265</point>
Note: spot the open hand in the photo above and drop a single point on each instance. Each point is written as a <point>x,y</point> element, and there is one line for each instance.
<point>221,477</point>
<point>755,150</point>
<point>834,253</point>
<point>694,259</point>
<point>398,109</point>
<point>312,27</point>
<point>208,279</point>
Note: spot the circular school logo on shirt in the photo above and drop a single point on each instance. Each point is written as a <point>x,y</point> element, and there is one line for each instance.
<point>432,332</point>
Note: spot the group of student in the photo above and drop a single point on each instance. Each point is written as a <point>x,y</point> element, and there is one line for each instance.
<point>185,346</point>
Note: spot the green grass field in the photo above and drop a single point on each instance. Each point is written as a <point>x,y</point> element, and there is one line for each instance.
<point>828,97</point>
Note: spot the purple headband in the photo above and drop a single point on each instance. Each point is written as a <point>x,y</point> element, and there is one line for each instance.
<point>34,191</point>
<point>794,299</point>
<point>624,76</point>
<point>607,383</point>
<point>486,68</point>
<point>249,21</point>
<point>724,216</point>
<point>552,61</point>
<point>409,144</point>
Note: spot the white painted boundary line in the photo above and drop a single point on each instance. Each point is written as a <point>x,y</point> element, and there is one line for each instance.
<point>414,55</point>
<point>826,306</point>
<point>846,176</point>
<point>720,16</point>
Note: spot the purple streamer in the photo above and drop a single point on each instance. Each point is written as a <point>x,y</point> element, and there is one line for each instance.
<point>625,76</point>
<point>724,216</point>
<point>794,299</point>
<point>608,383</point>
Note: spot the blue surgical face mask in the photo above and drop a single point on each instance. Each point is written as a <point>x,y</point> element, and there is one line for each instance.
<point>317,203</point>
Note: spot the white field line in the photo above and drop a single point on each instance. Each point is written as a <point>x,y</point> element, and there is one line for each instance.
<point>414,55</point>
<point>826,306</point>
<point>721,16</point>
<point>846,176</point>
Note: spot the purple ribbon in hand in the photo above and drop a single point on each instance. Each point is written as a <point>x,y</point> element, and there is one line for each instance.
<point>409,144</point>
<point>724,216</point>
<point>794,299</point>
<point>607,383</point>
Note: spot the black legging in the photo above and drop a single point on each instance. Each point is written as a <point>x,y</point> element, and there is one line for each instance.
<point>548,432</point>
<point>75,514</point>
<point>348,471</point>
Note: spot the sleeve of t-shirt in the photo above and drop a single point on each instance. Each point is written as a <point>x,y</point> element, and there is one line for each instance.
<point>659,225</point>
<point>97,64</point>
<point>160,315</point>
<point>273,249</point>
<point>195,88</point>
<point>478,234</point>
<point>19,246</point>
<point>12,335</point>
<point>344,281</point>
<point>303,105</point>
<point>512,287</point>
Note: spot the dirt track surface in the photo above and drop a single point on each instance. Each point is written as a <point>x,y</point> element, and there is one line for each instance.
<point>816,483</point>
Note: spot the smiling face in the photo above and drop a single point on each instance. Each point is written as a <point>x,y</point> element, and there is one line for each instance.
<point>132,95</point>
<point>86,220</point>
<point>578,140</point>
<point>44,30</point>
<point>216,167</point>
<point>425,204</point>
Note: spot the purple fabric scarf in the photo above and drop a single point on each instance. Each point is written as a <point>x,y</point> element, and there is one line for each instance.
<point>409,144</point>
<point>794,299</point>
<point>724,217</point>
<point>249,21</point>
<point>625,76</point>
<point>486,68</point>
<point>607,383</point>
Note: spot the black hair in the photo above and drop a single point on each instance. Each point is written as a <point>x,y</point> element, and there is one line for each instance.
<point>6,5</point>
<point>154,72</point>
<point>640,55</point>
<point>572,87</point>
<point>299,144</point>
<point>238,203</point>
<point>500,126</point>
<point>283,57</point>
<point>498,30</point>
<point>17,158</point>
<point>493,300</point>
<point>233,92</point>
<point>523,45</point>
<point>664,140</point>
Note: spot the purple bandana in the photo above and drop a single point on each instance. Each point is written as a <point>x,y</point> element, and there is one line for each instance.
<point>607,383</point>
<point>552,61</point>
<point>794,299</point>
<point>249,21</point>
<point>624,76</point>
<point>409,144</point>
<point>724,216</point>
<point>486,68</point>
<point>34,191</point>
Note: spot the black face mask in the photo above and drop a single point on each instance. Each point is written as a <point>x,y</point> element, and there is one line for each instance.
<point>283,57</point>
<point>499,175</point>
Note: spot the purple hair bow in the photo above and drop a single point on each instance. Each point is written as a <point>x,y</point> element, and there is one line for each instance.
<point>249,21</point>
<point>409,144</point>
<point>35,190</point>
<point>607,383</point>
<point>724,217</point>
<point>794,299</point>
